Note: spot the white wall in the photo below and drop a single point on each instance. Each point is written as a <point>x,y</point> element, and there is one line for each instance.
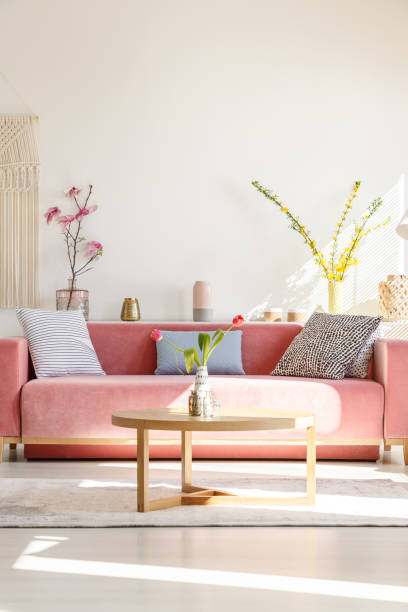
<point>172,107</point>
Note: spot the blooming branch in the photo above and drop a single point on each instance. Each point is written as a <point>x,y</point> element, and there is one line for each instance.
<point>71,226</point>
<point>340,224</point>
<point>52,212</point>
<point>335,269</point>
<point>296,225</point>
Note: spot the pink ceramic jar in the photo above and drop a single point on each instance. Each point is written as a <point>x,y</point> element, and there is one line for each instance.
<point>202,301</point>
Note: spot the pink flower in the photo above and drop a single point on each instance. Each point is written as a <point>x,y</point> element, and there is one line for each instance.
<point>92,208</point>
<point>74,191</point>
<point>238,320</point>
<point>51,213</point>
<point>94,248</point>
<point>156,335</point>
<point>65,220</point>
<point>82,213</point>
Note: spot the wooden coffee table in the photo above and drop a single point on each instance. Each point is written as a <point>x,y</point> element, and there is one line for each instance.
<point>230,420</point>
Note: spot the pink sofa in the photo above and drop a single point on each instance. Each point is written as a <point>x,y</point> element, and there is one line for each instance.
<point>71,417</point>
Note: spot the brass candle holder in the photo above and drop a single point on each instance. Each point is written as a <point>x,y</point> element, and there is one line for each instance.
<point>130,310</point>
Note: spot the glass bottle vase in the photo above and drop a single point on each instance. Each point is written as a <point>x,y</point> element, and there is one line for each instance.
<point>73,298</point>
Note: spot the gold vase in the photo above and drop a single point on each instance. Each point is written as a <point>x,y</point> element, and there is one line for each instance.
<point>130,310</point>
<point>335,297</point>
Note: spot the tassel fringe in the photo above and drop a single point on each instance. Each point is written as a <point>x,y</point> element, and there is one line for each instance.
<point>19,175</point>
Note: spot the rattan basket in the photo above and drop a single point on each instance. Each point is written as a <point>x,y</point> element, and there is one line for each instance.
<point>393,298</point>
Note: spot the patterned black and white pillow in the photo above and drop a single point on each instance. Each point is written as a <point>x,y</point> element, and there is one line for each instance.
<point>326,346</point>
<point>359,367</point>
<point>59,343</point>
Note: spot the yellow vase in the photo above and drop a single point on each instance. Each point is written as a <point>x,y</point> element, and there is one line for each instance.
<point>335,297</point>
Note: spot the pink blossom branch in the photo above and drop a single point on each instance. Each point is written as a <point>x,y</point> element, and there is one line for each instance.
<point>72,235</point>
<point>86,264</point>
<point>88,196</point>
<point>81,273</point>
<point>77,203</point>
<point>69,251</point>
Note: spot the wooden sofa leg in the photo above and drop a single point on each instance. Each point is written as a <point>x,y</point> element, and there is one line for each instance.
<point>406,451</point>
<point>1,448</point>
<point>12,446</point>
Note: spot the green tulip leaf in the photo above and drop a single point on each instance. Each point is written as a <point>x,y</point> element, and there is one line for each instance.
<point>206,348</point>
<point>189,359</point>
<point>201,337</point>
<point>196,357</point>
<point>216,343</point>
<point>216,333</point>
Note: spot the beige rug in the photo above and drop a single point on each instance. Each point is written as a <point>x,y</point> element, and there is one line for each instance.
<point>68,502</point>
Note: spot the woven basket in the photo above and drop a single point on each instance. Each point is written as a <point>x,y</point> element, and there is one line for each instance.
<point>393,298</point>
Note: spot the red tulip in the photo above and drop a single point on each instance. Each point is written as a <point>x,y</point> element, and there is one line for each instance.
<point>156,335</point>
<point>238,320</point>
<point>51,213</point>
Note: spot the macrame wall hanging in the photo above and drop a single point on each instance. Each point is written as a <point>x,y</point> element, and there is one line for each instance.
<point>19,169</point>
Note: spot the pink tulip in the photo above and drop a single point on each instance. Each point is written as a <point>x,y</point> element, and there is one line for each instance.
<point>94,248</point>
<point>238,320</point>
<point>82,213</point>
<point>51,213</point>
<point>74,191</point>
<point>156,335</point>
<point>65,220</point>
<point>92,208</point>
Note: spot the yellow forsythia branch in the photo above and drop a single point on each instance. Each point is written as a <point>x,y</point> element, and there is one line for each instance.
<point>297,225</point>
<point>332,270</point>
<point>347,208</point>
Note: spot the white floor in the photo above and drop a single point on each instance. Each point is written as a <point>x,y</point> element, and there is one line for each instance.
<point>200,569</point>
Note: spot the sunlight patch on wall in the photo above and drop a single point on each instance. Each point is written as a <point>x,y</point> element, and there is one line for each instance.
<point>381,254</point>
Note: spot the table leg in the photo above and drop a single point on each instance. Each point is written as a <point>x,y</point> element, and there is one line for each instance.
<point>186,460</point>
<point>311,464</point>
<point>143,504</point>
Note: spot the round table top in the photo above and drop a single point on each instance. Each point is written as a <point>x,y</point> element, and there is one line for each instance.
<point>230,419</point>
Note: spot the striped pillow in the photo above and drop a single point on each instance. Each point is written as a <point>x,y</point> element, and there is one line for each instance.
<point>59,343</point>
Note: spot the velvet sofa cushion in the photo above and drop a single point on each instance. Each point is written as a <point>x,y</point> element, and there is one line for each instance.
<point>83,406</point>
<point>226,358</point>
<point>126,348</point>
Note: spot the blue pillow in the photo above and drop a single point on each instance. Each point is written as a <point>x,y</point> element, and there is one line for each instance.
<point>226,358</point>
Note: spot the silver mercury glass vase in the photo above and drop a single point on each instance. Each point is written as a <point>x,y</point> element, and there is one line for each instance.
<point>201,401</point>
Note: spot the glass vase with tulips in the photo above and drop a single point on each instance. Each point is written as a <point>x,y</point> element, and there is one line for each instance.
<point>202,401</point>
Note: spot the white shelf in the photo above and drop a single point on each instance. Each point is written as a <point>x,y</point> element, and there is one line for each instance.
<point>156,322</point>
